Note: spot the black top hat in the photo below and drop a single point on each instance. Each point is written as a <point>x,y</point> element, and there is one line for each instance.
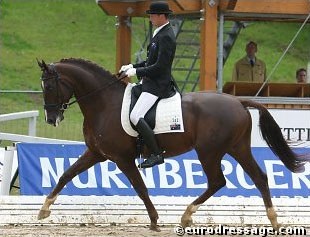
<point>159,8</point>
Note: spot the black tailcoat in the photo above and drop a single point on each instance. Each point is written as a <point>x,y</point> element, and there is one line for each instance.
<point>156,69</point>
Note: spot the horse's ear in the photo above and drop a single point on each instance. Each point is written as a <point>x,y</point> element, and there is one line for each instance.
<point>42,65</point>
<point>39,64</point>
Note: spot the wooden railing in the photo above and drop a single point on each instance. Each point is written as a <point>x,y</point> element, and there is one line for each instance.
<point>273,95</point>
<point>269,89</point>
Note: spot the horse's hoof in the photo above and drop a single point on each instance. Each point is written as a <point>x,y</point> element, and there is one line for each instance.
<point>154,227</point>
<point>186,222</point>
<point>44,214</point>
<point>276,226</point>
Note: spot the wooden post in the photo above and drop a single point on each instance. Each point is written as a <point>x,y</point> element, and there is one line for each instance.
<point>123,41</point>
<point>208,46</point>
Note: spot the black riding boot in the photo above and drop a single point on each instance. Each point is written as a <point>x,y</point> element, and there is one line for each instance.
<point>148,136</point>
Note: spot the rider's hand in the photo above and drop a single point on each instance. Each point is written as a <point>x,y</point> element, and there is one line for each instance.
<point>130,72</point>
<point>124,68</point>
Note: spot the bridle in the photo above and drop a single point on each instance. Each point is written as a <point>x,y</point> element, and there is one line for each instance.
<point>56,77</point>
<point>62,106</point>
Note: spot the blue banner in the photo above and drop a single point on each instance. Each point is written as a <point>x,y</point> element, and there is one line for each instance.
<point>41,166</point>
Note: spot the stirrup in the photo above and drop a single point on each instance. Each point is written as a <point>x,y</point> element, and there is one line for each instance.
<point>152,160</point>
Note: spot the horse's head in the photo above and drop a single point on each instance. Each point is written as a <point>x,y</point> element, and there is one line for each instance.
<point>56,93</point>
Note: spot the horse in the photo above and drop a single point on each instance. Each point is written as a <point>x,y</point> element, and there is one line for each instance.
<point>215,124</point>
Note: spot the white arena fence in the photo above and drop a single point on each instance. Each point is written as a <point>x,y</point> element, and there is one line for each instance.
<point>30,115</point>
<point>14,101</point>
<point>106,210</point>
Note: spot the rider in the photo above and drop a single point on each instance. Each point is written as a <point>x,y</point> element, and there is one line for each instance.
<point>155,73</point>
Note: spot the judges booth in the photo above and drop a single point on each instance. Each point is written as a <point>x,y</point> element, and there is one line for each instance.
<point>273,95</point>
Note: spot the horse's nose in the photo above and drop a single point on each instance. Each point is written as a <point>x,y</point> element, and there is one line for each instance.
<point>50,121</point>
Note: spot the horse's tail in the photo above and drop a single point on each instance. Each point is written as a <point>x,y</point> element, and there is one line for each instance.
<point>272,134</point>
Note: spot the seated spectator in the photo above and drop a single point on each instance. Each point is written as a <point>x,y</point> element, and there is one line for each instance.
<point>250,68</point>
<point>301,75</point>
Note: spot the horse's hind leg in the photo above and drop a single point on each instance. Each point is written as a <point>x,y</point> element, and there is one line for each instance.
<point>132,173</point>
<point>86,161</point>
<point>244,157</point>
<point>211,164</point>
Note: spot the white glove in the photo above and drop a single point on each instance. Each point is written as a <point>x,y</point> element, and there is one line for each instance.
<point>130,72</point>
<point>124,68</point>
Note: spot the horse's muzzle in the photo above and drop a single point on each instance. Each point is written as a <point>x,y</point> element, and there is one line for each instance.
<point>56,120</point>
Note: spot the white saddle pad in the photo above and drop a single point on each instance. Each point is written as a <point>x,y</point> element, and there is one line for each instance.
<point>168,114</point>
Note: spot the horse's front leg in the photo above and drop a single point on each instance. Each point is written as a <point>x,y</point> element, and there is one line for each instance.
<point>132,173</point>
<point>87,160</point>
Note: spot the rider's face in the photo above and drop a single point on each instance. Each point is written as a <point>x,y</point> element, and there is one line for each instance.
<point>158,19</point>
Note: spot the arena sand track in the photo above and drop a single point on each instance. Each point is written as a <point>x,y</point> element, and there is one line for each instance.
<point>92,231</point>
<point>89,231</point>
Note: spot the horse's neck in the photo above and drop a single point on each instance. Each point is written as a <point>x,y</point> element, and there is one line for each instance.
<point>92,90</point>
<point>82,81</point>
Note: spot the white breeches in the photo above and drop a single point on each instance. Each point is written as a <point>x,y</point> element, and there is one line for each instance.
<point>143,105</point>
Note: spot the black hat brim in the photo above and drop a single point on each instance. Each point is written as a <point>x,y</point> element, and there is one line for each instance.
<point>158,12</point>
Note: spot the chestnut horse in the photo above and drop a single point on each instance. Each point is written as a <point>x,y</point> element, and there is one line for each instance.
<point>214,124</point>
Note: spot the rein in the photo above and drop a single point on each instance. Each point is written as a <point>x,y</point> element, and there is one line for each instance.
<point>63,106</point>
<point>120,76</point>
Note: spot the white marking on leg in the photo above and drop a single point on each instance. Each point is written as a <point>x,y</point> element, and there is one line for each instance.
<point>194,208</point>
<point>186,219</point>
<point>272,216</point>
<point>48,202</point>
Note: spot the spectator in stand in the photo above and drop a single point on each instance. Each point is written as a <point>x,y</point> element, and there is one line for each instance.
<point>301,75</point>
<point>250,68</point>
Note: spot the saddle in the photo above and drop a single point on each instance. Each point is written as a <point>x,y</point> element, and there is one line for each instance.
<point>166,114</point>
<point>151,114</point>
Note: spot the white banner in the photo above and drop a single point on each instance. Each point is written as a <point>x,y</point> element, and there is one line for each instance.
<point>295,126</point>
